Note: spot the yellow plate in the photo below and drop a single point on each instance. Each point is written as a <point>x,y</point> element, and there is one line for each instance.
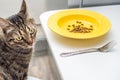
<point>79,24</point>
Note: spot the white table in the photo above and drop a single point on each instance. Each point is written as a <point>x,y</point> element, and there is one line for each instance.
<point>91,66</point>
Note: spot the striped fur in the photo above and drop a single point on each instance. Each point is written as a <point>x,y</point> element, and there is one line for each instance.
<point>16,45</point>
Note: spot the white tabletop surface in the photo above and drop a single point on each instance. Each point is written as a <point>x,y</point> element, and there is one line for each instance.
<point>91,66</point>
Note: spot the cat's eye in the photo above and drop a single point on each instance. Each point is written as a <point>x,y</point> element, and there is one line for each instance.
<point>19,38</point>
<point>31,31</point>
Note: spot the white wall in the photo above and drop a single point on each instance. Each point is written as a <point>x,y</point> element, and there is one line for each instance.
<point>36,7</point>
<point>8,7</point>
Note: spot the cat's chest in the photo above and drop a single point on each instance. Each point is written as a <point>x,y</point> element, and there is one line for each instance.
<point>14,60</point>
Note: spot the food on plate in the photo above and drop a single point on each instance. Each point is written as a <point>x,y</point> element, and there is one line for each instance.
<point>80,27</point>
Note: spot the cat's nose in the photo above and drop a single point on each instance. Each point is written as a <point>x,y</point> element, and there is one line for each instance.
<point>30,42</point>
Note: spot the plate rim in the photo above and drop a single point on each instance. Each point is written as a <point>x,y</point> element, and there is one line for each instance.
<point>60,32</point>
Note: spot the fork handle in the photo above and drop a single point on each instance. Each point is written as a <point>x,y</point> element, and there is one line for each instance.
<point>67,54</point>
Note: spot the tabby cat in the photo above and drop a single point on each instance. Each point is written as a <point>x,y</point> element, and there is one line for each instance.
<point>17,37</point>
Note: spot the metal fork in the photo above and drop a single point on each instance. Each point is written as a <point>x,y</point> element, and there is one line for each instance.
<point>104,48</point>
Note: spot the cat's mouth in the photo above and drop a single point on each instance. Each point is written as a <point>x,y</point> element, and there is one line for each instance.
<point>26,47</point>
<point>29,47</point>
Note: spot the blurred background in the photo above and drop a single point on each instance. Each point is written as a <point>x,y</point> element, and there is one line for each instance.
<point>36,7</point>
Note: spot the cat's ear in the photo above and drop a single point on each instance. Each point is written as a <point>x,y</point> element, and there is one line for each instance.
<point>6,25</point>
<point>24,11</point>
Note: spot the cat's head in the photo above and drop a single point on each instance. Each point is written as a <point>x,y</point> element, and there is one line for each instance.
<point>19,30</point>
